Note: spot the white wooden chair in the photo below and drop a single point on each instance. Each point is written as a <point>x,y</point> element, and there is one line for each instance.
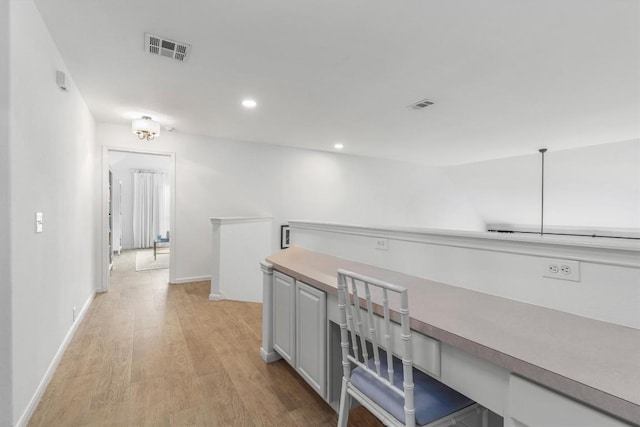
<point>382,383</point>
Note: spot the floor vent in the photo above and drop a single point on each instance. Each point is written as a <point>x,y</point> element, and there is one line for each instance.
<point>164,47</point>
<point>421,104</point>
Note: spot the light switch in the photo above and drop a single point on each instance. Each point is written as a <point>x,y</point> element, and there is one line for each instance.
<point>38,222</point>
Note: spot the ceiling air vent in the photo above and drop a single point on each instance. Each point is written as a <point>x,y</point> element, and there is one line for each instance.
<point>421,104</point>
<point>164,47</point>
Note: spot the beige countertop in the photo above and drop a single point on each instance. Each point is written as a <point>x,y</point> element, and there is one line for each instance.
<point>589,360</point>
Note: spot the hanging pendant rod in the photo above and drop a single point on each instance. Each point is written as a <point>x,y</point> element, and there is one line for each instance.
<point>542,151</point>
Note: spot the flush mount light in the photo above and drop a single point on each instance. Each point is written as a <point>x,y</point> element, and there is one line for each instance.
<point>249,103</point>
<point>145,128</point>
<point>338,146</point>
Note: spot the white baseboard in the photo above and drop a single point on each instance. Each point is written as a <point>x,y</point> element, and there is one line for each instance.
<point>190,279</point>
<point>269,357</point>
<point>33,403</point>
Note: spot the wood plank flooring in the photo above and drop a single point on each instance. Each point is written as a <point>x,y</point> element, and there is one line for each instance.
<point>152,354</point>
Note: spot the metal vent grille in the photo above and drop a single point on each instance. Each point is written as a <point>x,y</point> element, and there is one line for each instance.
<point>421,104</point>
<point>164,47</point>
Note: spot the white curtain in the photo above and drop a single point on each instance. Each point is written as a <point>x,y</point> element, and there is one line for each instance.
<point>150,207</point>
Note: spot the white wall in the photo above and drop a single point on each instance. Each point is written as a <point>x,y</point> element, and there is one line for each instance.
<point>54,167</point>
<point>5,227</point>
<point>590,187</point>
<point>509,266</point>
<point>217,178</point>
<point>322,186</point>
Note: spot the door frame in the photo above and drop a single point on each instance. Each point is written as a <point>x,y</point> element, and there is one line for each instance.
<point>104,282</point>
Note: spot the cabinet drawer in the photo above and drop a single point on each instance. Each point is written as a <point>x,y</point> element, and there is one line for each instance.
<point>534,406</point>
<point>426,350</point>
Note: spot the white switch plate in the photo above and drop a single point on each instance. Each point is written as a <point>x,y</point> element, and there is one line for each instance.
<point>562,269</point>
<point>38,222</point>
<point>382,244</point>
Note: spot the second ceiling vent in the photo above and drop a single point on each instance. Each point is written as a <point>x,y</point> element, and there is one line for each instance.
<point>421,104</point>
<point>156,45</point>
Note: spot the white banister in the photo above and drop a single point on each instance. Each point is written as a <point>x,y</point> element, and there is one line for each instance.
<point>238,245</point>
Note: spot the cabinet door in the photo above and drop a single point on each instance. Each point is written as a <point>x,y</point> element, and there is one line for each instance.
<point>284,316</point>
<point>311,336</point>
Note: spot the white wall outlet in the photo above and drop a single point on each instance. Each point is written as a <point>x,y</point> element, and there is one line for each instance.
<point>75,313</point>
<point>38,222</point>
<point>382,244</point>
<point>561,269</point>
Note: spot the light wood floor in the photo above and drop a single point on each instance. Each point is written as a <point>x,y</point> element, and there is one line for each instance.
<point>149,353</point>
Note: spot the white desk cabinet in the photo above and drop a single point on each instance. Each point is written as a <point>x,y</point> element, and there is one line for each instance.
<point>533,366</point>
<point>300,329</point>
<point>284,316</point>
<point>311,336</point>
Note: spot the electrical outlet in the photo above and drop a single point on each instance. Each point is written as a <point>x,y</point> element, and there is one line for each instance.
<point>75,313</point>
<point>561,269</point>
<point>382,244</point>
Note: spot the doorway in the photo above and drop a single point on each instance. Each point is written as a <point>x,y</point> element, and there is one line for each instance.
<point>139,211</point>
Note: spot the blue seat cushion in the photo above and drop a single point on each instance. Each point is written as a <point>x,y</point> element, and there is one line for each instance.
<point>433,399</point>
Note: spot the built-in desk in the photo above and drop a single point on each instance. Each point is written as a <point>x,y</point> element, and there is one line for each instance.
<point>495,350</point>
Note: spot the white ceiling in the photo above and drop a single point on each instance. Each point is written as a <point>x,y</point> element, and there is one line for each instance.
<point>508,76</point>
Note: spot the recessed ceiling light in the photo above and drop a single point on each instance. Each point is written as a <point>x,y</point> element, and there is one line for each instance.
<point>338,146</point>
<point>249,103</point>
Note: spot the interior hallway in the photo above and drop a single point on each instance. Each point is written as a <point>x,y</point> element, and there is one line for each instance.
<point>149,353</point>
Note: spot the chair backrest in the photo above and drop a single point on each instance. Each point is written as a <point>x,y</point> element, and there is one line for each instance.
<point>361,323</point>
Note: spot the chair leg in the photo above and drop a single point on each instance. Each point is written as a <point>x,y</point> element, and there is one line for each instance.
<point>345,405</point>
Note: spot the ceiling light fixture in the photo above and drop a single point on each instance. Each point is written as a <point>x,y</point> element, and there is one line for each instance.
<point>249,103</point>
<point>145,128</point>
<point>338,146</point>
